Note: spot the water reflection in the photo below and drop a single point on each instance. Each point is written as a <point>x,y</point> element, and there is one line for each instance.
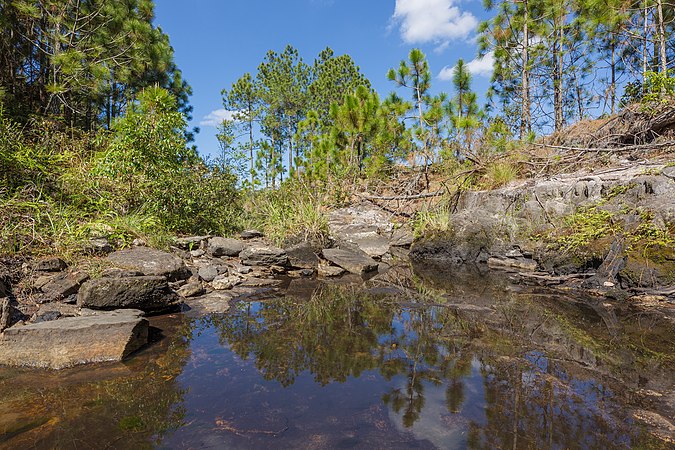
<point>408,360</point>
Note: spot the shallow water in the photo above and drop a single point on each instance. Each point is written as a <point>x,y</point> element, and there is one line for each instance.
<point>406,360</point>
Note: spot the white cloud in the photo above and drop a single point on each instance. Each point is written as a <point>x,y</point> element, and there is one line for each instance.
<point>216,117</point>
<point>480,67</point>
<point>437,21</point>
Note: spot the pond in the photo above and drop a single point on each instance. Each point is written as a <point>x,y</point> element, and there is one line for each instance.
<point>409,359</point>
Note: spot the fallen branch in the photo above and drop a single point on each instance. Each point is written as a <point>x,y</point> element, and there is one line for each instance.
<point>403,197</point>
<point>627,148</point>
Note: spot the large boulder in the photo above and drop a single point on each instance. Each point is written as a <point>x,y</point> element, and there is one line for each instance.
<point>363,226</point>
<point>151,262</point>
<point>302,256</point>
<point>351,260</point>
<point>57,344</point>
<point>263,256</point>
<point>220,246</point>
<point>147,293</point>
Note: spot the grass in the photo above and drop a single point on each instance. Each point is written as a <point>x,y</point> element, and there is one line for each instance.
<point>435,220</point>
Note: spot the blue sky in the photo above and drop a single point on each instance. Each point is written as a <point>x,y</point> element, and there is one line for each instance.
<point>217,41</point>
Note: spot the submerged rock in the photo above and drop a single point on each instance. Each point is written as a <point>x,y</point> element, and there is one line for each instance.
<point>351,260</point>
<point>151,262</point>
<point>57,344</point>
<point>147,293</point>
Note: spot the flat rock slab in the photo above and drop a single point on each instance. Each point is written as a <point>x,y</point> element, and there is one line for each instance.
<point>57,344</point>
<point>263,256</point>
<point>303,256</point>
<point>63,285</point>
<point>148,293</point>
<point>351,260</point>
<point>525,264</point>
<point>151,262</point>
<point>220,246</point>
<point>363,226</point>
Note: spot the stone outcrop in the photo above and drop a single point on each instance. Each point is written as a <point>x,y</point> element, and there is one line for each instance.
<point>151,262</point>
<point>147,293</point>
<point>362,226</point>
<point>57,344</point>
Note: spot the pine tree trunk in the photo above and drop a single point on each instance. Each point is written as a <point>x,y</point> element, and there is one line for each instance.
<point>662,40</point>
<point>525,88</point>
<point>557,75</point>
<point>644,44</point>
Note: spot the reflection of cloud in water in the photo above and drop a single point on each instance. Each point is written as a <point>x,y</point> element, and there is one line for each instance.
<point>436,423</point>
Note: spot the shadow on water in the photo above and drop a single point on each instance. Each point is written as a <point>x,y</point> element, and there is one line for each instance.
<point>420,358</point>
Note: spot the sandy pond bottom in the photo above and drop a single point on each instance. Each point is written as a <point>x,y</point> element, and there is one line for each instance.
<point>400,362</point>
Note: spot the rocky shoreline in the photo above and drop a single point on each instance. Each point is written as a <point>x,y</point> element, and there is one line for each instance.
<point>53,305</point>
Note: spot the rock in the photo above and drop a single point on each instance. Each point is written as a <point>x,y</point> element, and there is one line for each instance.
<point>251,234</point>
<point>261,282</point>
<point>528,265</point>
<point>514,253</point>
<point>197,253</point>
<point>147,293</point>
<point>350,260</point>
<point>669,172</point>
<point>213,302</point>
<point>57,344</point>
<point>362,226</point>
<point>99,246</point>
<point>324,270</point>
<point>63,285</point>
<point>138,242</point>
<point>244,270</point>
<point>219,246</point>
<point>151,262</point>
<point>50,265</point>
<point>402,237</point>
<point>208,273</point>
<point>5,285</point>
<point>120,273</point>
<point>263,256</point>
<point>191,289</point>
<point>224,282</point>
<point>302,256</point>
<point>46,316</point>
<point>191,242</point>
<point>9,314</point>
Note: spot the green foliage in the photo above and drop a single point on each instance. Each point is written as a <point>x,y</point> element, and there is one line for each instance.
<point>432,220</point>
<point>585,226</point>
<point>658,88</point>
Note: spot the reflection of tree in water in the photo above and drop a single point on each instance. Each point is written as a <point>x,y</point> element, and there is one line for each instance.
<point>342,332</point>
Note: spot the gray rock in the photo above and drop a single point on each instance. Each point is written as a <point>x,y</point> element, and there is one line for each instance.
<point>63,285</point>
<point>219,246</point>
<point>57,344</point>
<point>350,260</point>
<point>208,273</point>
<point>669,172</point>
<point>9,314</point>
<point>302,256</point>
<point>151,262</point>
<point>362,226</point>
<point>224,282</point>
<point>99,246</point>
<point>120,273</point>
<point>147,293</point>
<point>191,289</point>
<point>46,316</point>
<point>263,256</point>
<point>138,242</point>
<point>191,242</point>
<point>402,237</point>
<point>251,234</point>
<point>324,270</point>
<point>197,253</point>
<point>50,265</point>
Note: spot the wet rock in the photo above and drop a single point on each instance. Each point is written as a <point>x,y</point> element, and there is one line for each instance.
<point>151,262</point>
<point>147,293</point>
<point>50,265</point>
<point>350,260</point>
<point>219,246</point>
<point>99,246</point>
<point>63,285</point>
<point>251,234</point>
<point>191,242</point>
<point>212,303</point>
<point>191,289</point>
<point>303,256</point>
<point>57,344</point>
<point>263,256</point>
<point>208,273</point>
